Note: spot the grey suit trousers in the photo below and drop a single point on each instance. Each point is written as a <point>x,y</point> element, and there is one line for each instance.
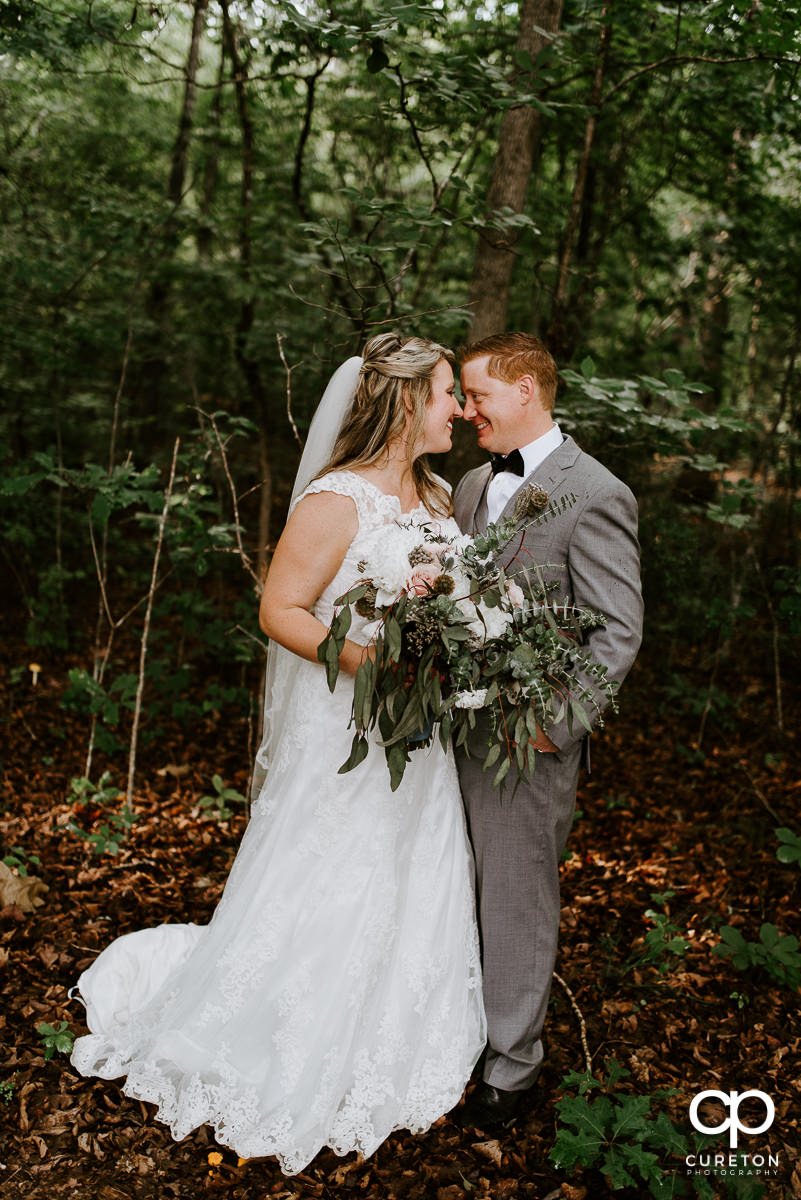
<point>517,885</point>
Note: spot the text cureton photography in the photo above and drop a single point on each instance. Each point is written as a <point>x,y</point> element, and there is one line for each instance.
<point>735,1163</point>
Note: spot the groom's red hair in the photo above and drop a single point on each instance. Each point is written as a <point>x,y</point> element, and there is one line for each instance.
<point>514,354</point>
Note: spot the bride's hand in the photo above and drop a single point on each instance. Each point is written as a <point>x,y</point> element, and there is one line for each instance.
<point>353,655</point>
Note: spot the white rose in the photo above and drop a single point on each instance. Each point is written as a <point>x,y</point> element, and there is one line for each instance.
<point>471,699</point>
<point>515,593</point>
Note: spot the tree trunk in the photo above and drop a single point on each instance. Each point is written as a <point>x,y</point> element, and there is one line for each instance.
<point>248,365</point>
<point>160,287</point>
<point>175,187</point>
<point>517,144</point>
<point>204,233</point>
<point>557,337</point>
<point>713,330</point>
<point>265,504</point>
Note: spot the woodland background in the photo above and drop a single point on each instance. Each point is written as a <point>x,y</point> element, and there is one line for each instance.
<point>205,207</point>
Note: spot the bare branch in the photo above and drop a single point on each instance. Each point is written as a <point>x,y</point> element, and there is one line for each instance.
<point>297,174</point>
<point>760,795</point>
<point>581,1021</point>
<point>329,308</point>
<point>101,575</point>
<point>439,192</point>
<point>244,558</point>
<point>140,687</point>
<point>262,645</point>
<point>404,107</point>
<point>674,59</point>
<point>288,370</point>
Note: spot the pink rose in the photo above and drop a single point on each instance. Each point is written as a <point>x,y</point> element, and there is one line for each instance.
<point>421,581</point>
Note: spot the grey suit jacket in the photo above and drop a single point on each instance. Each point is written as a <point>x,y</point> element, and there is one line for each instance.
<point>590,550</point>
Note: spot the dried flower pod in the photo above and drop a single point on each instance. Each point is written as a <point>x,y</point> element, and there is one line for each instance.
<point>365,605</point>
<point>420,555</point>
<point>531,500</point>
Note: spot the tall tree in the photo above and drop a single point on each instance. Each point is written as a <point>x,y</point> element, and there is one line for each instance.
<point>557,335</point>
<point>160,286</point>
<point>517,144</point>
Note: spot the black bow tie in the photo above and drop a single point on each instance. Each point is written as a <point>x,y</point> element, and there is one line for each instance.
<point>507,462</point>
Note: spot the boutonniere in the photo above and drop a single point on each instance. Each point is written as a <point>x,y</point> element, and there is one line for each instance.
<point>530,501</point>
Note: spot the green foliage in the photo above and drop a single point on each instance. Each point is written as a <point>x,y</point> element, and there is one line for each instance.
<point>109,829</point>
<point>659,412</point>
<point>374,132</point>
<point>790,849</point>
<point>692,695</point>
<point>613,802</point>
<point>110,505</point>
<point>619,1135</point>
<point>222,798</point>
<point>787,584</point>
<point>83,792</point>
<point>665,941</point>
<point>7,1090</point>
<point>56,1039</point>
<point>774,953</point>
<point>18,859</point>
<point>85,694</point>
<point>735,505</point>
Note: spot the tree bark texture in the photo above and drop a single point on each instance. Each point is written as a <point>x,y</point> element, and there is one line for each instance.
<point>204,233</point>
<point>517,143</point>
<point>248,364</point>
<point>557,337</point>
<point>175,188</point>
<point>160,287</point>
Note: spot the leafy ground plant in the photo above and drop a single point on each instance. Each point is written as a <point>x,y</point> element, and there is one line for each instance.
<point>219,802</point>
<point>790,849</point>
<point>619,1136</point>
<point>775,953</point>
<point>55,1038</point>
<point>94,801</point>
<point>17,859</point>
<point>664,941</point>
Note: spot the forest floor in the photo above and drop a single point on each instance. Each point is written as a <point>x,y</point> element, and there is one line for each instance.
<point>661,828</point>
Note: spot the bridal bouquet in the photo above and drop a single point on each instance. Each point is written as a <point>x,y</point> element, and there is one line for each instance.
<point>453,633</point>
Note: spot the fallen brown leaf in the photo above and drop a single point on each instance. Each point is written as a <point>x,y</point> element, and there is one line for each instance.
<point>490,1150</point>
<point>26,891</point>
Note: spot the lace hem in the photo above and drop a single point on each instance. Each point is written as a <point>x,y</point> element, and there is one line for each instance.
<point>357,1124</point>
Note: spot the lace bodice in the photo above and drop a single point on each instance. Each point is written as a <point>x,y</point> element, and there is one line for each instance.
<point>374,509</point>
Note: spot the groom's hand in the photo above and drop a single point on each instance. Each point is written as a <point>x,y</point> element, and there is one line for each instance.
<point>543,743</point>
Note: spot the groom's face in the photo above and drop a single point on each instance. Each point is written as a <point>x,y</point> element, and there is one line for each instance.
<point>499,411</point>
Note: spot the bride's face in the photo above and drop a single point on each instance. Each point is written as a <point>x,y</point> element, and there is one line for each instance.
<point>441,411</point>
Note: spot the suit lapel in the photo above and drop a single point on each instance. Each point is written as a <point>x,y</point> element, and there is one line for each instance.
<point>476,509</point>
<point>551,474</point>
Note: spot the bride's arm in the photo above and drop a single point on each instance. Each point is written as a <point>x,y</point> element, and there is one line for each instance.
<point>308,555</point>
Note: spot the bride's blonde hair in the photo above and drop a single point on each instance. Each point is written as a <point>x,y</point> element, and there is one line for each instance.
<point>395,378</point>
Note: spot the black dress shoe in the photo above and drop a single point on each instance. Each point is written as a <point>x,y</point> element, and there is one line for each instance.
<point>488,1107</point>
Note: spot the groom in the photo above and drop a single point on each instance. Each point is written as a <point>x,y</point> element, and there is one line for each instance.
<point>509,383</point>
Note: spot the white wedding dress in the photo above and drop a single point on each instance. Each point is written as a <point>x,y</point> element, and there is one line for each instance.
<point>336,993</point>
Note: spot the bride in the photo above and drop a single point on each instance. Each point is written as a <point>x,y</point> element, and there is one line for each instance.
<point>335,994</point>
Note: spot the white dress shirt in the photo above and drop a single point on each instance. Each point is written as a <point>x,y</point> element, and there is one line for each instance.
<point>503,486</point>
